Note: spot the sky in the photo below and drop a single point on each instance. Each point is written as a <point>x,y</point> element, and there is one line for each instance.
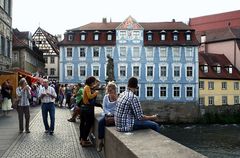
<point>57,16</point>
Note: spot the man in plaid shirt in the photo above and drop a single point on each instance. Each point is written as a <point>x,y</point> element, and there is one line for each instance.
<point>129,115</point>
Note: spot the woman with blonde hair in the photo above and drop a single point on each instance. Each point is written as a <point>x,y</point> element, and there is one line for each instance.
<point>109,104</point>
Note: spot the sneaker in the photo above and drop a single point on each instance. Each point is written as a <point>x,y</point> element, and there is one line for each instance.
<point>72,120</point>
<point>100,146</point>
<point>46,131</point>
<point>27,131</point>
<point>51,132</point>
<point>20,132</point>
<point>86,143</point>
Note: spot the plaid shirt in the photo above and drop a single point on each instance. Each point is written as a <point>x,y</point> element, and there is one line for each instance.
<point>47,98</point>
<point>24,96</point>
<point>128,109</point>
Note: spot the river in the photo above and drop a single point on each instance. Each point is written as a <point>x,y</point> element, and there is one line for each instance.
<point>213,141</point>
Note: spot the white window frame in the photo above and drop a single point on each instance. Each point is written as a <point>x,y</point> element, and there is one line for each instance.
<point>146,90</point>
<point>66,54</point>
<point>119,87</point>
<point>176,53</point>
<point>176,78</point>
<point>99,68</point>
<point>224,100</point>
<point>139,66</point>
<point>188,37</point>
<point>201,101</point>
<point>109,37</point>
<point>79,55</point>
<point>163,53</point>
<point>149,58</point>
<point>201,85</point>
<point>136,58</point>
<point>163,78</point>
<point>236,100</point>
<point>119,76</point>
<point>224,85</point>
<point>125,56</point>
<point>136,34</point>
<point>186,90</point>
<point>83,37</point>
<point>96,36</point>
<point>189,52</point>
<point>107,48</point>
<point>211,100</point>
<point>180,89</point>
<point>150,78</point>
<point>236,85</point>
<point>163,97</point>
<point>189,78</point>
<point>122,34</point>
<point>210,85</point>
<point>66,71</point>
<point>79,73</point>
<point>52,74</point>
<point>96,58</point>
<point>70,37</point>
<point>163,37</point>
<point>149,36</point>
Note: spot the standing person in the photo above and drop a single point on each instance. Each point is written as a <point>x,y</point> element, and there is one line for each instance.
<point>87,110</point>
<point>61,95</point>
<point>109,105</point>
<point>129,115</point>
<point>6,95</point>
<point>24,94</point>
<point>47,95</point>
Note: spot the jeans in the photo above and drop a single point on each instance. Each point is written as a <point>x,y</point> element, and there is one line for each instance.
<point>145,124</point>
<point>48,107</point>
<point>87,119</point>
<point>101,128</point>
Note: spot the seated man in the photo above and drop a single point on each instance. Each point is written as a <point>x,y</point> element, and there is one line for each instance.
<point>129,115</point>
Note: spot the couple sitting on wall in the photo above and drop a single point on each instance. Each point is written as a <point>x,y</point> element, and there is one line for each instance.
<point>127,111</point>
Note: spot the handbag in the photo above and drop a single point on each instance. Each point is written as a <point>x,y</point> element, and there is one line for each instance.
<point>109,120</point>
<point>15,103</point>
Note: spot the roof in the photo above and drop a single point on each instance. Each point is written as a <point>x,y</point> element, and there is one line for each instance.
<point>216,21</point>
<point>223,34</point>
<point>212,60</point>
<point>52,40</point>
<point>145,25</point>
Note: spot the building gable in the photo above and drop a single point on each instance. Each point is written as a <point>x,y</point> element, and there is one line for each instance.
<point>129,23</point>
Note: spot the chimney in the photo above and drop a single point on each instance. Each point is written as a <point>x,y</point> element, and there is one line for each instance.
<point>173,20</point>
<point>104,20</point>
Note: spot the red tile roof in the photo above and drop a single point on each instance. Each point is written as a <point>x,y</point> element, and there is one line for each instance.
<point>216,21</point>
<point>212,60</point>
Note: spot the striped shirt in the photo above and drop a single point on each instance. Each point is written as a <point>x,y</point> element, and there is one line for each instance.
<point>47,98</point>
<point>128,109</point>
<point>24,96</point>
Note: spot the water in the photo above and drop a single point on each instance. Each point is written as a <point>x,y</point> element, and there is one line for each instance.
<point>213,141</point>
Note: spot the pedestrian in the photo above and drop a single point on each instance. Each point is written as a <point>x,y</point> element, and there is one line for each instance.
<point>24,94</point>
<point>109,105</point>
<point>87,110</point>
<point>47,95</point>
<point>6,95</point>
<point>129,115</point>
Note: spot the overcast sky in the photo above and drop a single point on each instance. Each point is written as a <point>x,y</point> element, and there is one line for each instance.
<point>57,16</point>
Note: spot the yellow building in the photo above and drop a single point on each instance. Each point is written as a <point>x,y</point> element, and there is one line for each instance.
<point>219,80</point>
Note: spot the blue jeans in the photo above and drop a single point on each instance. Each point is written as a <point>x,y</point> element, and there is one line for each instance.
<point>101,127</point>
<point>48,107</point>
<point>145,124</point>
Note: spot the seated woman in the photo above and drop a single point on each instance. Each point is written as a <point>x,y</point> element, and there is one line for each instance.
<point>109,104</point>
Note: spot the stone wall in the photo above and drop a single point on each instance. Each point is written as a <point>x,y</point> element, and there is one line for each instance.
<point>225,109</point>
<point>173,112</point>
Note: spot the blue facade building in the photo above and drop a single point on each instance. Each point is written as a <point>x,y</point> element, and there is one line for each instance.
<point>162,55</point>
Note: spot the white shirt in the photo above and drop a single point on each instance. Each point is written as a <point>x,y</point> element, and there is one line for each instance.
<point>47,98</point>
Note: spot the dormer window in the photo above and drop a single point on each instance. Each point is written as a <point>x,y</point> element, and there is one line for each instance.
<point>96,36</point>
<point>175,35</point>
<point>83,36</point>
<point>70,37</point>
<point>109,35</point>
<point>149,36</point>
<point>203,38</point>
<point>163,35</point>
<point>217,68</point>
<point>229,69</point>
<point>188,35</point>
<point>205,68</point>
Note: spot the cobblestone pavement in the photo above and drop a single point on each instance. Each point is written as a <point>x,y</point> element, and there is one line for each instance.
<point>64,142</point>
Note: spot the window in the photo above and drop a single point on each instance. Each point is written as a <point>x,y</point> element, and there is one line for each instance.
<point>224,85</point>
<point>3,44</point>
<point>123,71</point>
<point>109,51</point>
<point>201,101</point>
<point>149,71</point>
<point>82,52</point>
<point>176,92</point>
<point>176,53</point>
<point>230,69</point>
<point>201,84</point>
<point>236,85</point>
<point>189,71</point>
<point>205,68</point>
<point>70,37</point>
<point>188,37</point>
<point>149,37</point>
<point>189,91</point>
<point>176,71</point>
<point>175,37</point>
<point>218,69</point>
<point>83,37</point>
<point>46,59</point>
<point>69,71</point>
<point>136,71</point>
<point>69,52</point>
<point>236,100</point>
<point>15,57</point>
<point>163,37</point>
<point>122,89</point>
<point>109,37</point>
<point>123,52</point>
<point>123,34</point>
<point>149,52</point>
<point>149,91</point>
<point>95,52</point>
<point>163,52</point>
<point>163,71</point>
<point>96,71</point>
<point>211,100</point>
<point>189,52</point>
<point>82,71</point>
<point>163,91</point>
<point>96,37</point>
<point>136,52</point>
<point>52,71</point>
<point>224,100</point>
<point>46,71</point>
<point>52,60</point>
<point>136,34</point>
<point>210,85</point>
<point>137,92</point>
